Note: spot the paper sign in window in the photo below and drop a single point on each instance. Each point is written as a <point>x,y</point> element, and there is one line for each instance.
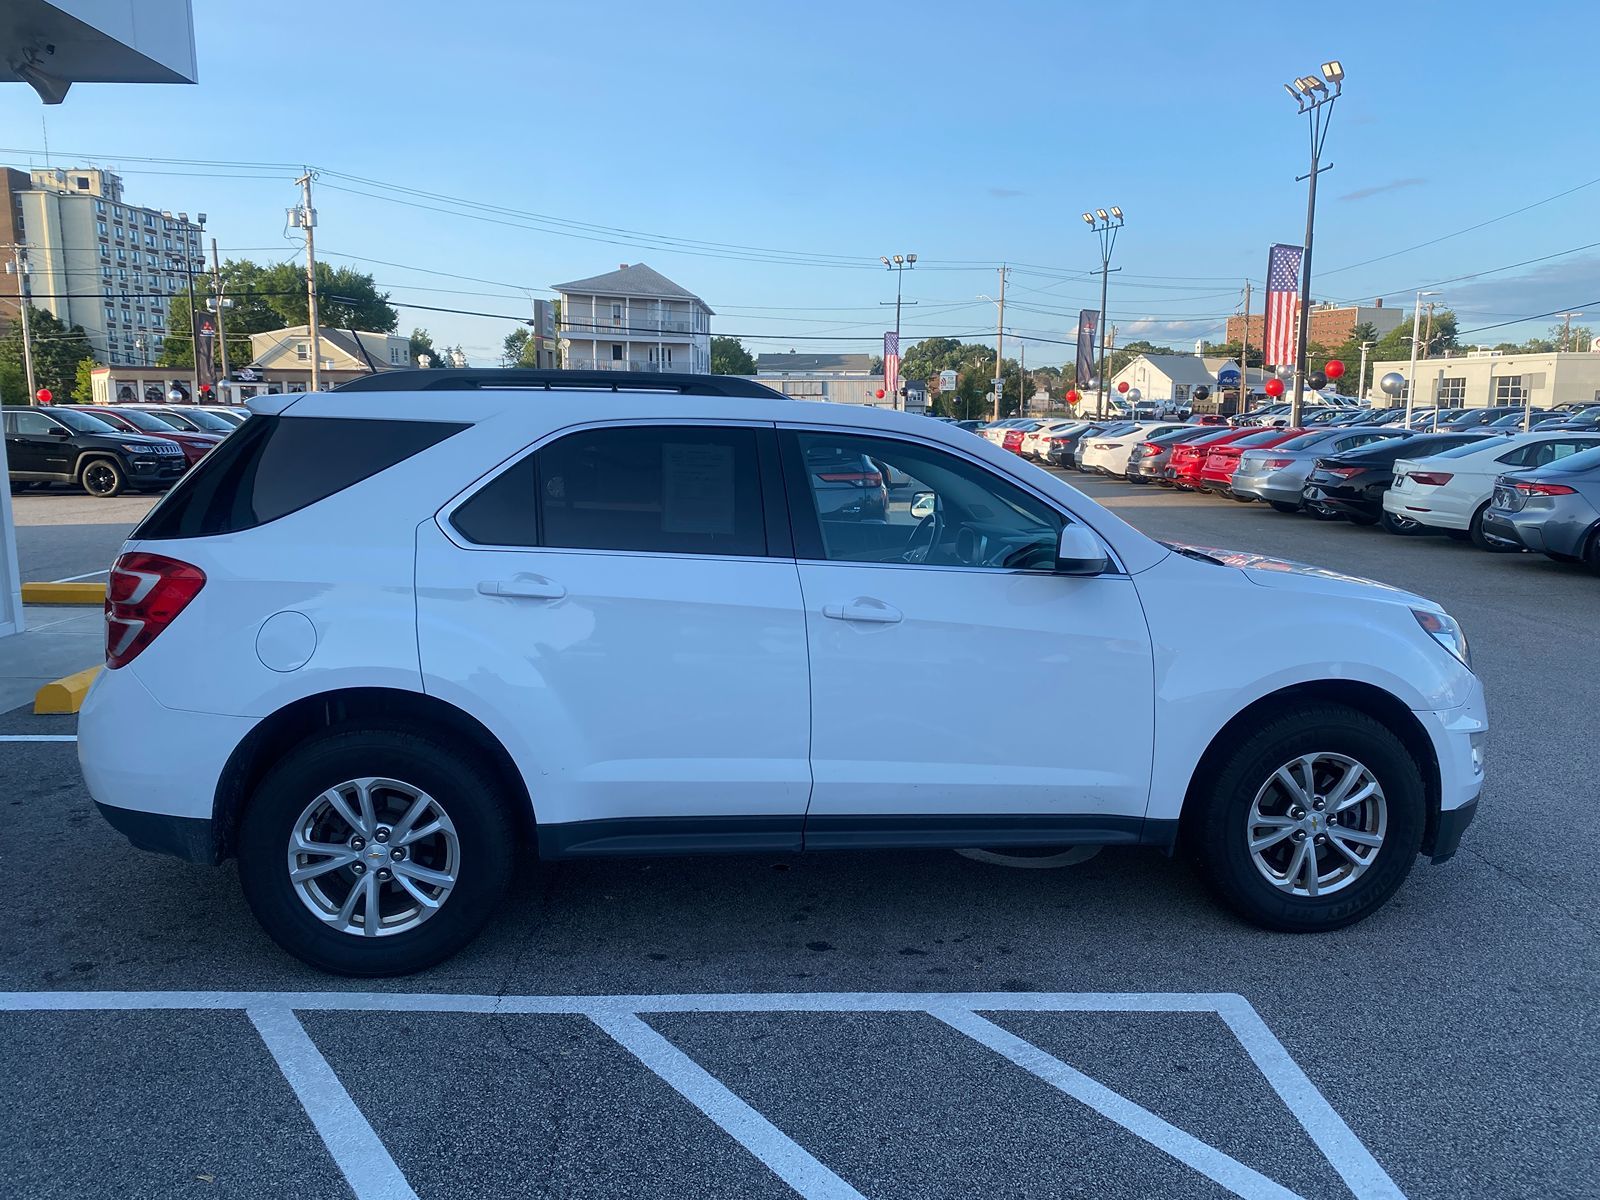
<point>697,488</point>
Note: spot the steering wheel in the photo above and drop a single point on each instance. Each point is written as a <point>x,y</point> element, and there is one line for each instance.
<point>932,525</point>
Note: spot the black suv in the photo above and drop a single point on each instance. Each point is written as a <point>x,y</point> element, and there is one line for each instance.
<point>59,445</point>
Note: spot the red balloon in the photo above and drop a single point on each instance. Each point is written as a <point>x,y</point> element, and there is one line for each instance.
<point>1274,388</point>
<point>1123,386</point>
<point>879,393</point>
<point>45,395</point>
<point>1072,395</point>
<point>1334,369</point>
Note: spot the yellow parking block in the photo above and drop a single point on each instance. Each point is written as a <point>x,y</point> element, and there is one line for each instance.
<point>65,695</point>
<point>63,593</point>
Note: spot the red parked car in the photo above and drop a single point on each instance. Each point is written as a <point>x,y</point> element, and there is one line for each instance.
<point>1216,472</point>
<point>195,446</point>
<point>1013,440</point>
<point>1185,461</point>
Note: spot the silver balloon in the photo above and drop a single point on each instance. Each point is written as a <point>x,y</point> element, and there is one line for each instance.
<point>1393,384</point>
<point>1133,395</point>
<point>1284,371</point>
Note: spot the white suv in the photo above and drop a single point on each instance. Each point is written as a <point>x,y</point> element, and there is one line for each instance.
<point>383,637</point>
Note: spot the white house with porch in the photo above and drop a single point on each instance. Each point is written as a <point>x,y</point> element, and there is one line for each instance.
<point>633,319</point>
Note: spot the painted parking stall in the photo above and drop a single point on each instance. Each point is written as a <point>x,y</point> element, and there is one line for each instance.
<point>371,1171</point>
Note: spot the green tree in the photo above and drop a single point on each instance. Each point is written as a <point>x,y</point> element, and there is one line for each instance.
<point>1396,344</point>
<point>517,344</point>
<point>422,343</point>
<point>729,357</point>
<point>1579,338</point>
<point>56,353</point>
<point>83,385</point>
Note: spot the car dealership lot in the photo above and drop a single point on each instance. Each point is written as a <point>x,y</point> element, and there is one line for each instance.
<point>1451,1033</point>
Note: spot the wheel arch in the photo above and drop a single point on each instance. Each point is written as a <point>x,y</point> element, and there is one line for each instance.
<point>85,457</point>
<point>1363,697</point>
<point>278,733</point>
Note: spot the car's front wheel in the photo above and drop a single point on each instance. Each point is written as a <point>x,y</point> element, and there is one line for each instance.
<point>1311,822</point>
<point>103,477</point>
<point>375,851</point>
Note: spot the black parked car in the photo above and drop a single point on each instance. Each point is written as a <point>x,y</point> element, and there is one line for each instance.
<point>1352,484</point>
<point>1062,445</point>
<point>58,445</point>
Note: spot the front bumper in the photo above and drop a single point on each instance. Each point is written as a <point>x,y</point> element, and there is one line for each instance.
<point>1447,831</point>
<point>1458,736</point>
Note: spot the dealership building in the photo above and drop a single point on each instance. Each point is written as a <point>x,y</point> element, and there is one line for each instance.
<point>1485,378</point>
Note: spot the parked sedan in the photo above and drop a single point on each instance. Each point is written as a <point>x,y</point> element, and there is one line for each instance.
<point>1061,447</point>
<point>1081,446</point>
<point>1279,477</point>
<point>1452,490</point>
<point>1553,510</point>
<point>1036,442</point>
<point>1150,457</point>
<point>1216,472</point>
<point>1108,453</point>
<point>1352,485</point>
<point>1185,462</point>
<point>131,420</point>
<point>1475,417</point>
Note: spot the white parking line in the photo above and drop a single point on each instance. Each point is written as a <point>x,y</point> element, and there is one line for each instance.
<point>778,1152</point>
<point>360,1154</point>
<point>76,578</point>
<point>363,1157</point>
<point>38,737</point>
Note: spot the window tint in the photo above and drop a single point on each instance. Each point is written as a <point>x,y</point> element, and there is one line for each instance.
<point>1260,439</point>
<point>273,466</point>
<point>884,501</point>
<point>1586,460</point>
<point>82,422</point>
<point>28,422</point>
<point>648,489</point>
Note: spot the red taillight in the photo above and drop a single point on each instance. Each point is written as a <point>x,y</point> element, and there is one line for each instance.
<point>1345,472</point>
<point>1276,464</point>
<point>1432,478</point>
<point>1059,441</point>
<point>144,595</point>
<point>1544,489</point>
<point>1150,448</point>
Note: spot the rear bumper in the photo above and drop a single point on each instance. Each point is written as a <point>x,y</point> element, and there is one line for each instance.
<point>1271,486</point>
<point>1419,509</point>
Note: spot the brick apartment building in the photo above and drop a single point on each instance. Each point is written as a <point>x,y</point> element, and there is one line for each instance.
<point>1330,323</point>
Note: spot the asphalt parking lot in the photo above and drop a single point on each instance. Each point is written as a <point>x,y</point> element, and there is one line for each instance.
<point>884,1025</point>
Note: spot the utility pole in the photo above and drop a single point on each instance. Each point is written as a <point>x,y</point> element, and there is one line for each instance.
<point>999,346</point>
<point>19,267</point>
<point>1427,335</point>
<point>1416,336</point>
<point>899,266</point>
<point>1244,352</point>
<point>216,291</point>
<point>1105,225</point>
<point>1566,332</point>
<point>306,218</point>
<point>1022,378</point>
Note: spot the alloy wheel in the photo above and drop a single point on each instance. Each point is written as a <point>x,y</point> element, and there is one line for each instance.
<point>373,857</point>
<point>99,478</point>
<point>1317,824</point>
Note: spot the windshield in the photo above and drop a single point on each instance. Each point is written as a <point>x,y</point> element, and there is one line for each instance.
<point>1260,439</point>
<point>143,421</point>
<point>210,422</point>
<point>80,422</point>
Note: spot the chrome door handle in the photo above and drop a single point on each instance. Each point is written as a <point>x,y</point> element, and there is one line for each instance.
<point>863,608</point>
<point>525,587</point>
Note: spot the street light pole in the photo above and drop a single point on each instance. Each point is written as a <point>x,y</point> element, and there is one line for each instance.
<point>19,265</point>
<point>1315,96</point>
<point>898,265</point>
<point>1361,379</point>
<point>1416,336</point>
<point>1105,225</point>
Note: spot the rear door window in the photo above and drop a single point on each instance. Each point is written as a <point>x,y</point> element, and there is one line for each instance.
<point>273,466</point>
<point>645,489</point>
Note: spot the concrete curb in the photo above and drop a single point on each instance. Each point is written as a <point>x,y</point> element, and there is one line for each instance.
<point>63,593</point>
<point>65,695</point>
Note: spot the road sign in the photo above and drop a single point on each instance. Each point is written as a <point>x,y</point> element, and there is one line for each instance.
<point>947,381</point>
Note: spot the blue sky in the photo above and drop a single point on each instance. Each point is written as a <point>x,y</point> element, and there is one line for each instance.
<point>968,134</point>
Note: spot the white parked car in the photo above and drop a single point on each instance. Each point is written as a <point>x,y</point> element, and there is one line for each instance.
<point>1452,490</point>
<point>384,639</point>
<point>1036,442</point>
<point>1109,453</point>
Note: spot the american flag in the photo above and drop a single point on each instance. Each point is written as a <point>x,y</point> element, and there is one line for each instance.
<point>1283,304</point>
<point>891,367</point>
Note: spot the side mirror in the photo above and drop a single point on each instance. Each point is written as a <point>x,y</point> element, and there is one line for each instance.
<point>1080,552</point>
<point>923,505</point>
<point>59,431</point>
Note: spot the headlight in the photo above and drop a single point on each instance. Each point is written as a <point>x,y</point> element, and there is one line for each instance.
<point>134,448</point>
<point>1442,628</point>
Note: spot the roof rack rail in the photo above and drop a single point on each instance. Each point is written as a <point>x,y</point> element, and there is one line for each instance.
<point>469,379</point>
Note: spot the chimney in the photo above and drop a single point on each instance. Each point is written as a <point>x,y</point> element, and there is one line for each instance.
<point>622,266</point>
<point>1378,303</point>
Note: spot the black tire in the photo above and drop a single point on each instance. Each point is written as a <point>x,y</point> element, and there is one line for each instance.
<point>471,796</point>
<point>1458,535</point>
<point>1221,802</point>
<point>103,478</point>
<point>1593,555</point>
<point>1284,506</point>
<point>1323,514</point>
<point>1481,540</point>
<point>1401,526</point>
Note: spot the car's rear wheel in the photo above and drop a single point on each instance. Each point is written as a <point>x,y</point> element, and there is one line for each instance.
<point>1479,538</point>
<point>103,477</point>
<point>1311,822</point>
<point>375,851</point>
<point>1284,506</point>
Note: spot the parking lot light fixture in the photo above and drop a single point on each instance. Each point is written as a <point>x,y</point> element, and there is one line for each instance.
<point>1333,72</point>
<point>1314,97</point>
<point>1088,218</point>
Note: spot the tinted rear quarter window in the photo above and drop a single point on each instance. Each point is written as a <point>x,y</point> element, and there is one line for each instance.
<point>273,466</point>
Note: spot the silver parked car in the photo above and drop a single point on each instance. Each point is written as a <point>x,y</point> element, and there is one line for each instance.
<point>1278,473</point>
<point>1553,509</point>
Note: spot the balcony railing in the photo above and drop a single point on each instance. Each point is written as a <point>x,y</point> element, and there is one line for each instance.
<point>625,327</point>
<point>608,364</point>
